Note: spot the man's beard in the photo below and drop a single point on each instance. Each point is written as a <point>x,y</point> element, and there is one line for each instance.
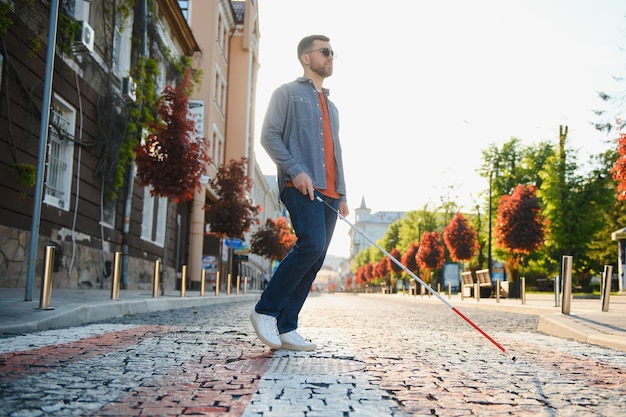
<point>323,70</point>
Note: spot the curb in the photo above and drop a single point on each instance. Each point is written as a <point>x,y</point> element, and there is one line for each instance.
<point>569,327</point>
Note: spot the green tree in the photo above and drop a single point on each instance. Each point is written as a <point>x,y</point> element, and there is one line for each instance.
<point>575,206</point>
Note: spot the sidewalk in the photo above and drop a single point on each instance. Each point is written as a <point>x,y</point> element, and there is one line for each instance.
<point>586,321</point>
<point>69,307</point>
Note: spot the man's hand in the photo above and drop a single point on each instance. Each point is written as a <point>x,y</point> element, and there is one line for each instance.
<point>343,209</point>
<point>303,183</point>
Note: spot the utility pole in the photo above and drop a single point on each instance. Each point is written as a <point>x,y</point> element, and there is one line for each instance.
<point>43,147</point>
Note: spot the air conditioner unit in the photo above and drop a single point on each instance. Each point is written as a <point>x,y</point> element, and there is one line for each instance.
<point>129,88</point>
<point>85,37</point>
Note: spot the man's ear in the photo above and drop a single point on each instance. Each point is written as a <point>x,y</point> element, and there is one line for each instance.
<point>305,59</point>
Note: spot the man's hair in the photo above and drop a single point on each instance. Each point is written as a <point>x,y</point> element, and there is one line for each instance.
<point>307,43</point>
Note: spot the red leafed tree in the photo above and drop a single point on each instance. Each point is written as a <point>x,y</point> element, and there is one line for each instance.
<point>461,238</point>
<point>359,278</point>
<point>618,171</point>
<point>233,214</point>
<point>349,282</point>
<point>368,273</point>
<point>274,240</point>
<point>397,255</point>
<point>381,268</point>
<point>172,160</point>
<point>408,259</point>
<point>430,255</point>
<point>519,227</point>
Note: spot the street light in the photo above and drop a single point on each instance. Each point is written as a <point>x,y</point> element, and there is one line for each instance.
<point>489,238</point>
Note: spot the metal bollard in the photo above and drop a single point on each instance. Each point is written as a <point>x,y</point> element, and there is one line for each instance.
<point>449,291</point>
<point>522,289</point>
<point>566,273</point>
<point>183,281</point>
<point>46,280</point>
<point>202,284</point>
<point>238,284</point>
<point>557,291</point>
<point>229,283</point>
<point>245,285</point>
<point>117,272</point>
<point>497,291</point>
<point>477,292</point>
<point>156,279</point>
<point>606,289</point>
<point>217,283</point>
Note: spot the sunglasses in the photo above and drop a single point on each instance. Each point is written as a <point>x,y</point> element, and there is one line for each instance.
<point>325,51</point>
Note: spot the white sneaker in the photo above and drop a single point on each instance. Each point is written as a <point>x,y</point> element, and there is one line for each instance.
<point>266,329</point>
<point>293,341</point>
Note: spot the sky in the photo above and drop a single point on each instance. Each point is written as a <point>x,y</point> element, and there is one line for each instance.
<point>423,87</point>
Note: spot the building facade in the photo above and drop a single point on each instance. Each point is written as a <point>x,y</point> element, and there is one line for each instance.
<point>85,214</point>
<point>374,225</point>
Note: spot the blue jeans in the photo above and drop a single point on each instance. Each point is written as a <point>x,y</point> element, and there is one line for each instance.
<point>314,224</point>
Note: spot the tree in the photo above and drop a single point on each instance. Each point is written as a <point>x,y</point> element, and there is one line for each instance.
<point>397,255</point>
<point>381,270</point>
<point>233,214</point>
<point>460,238</point>
<point>274,240</point>
<point>619,167</point>
<point>408,259</point>
<point>575,206</point>
<point>171,160</point>
<point>430,255</point>
<point>519,227</point>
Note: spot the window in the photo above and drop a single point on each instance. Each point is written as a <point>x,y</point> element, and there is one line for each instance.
<point>154,218</point>
<point>60,161</point>
<point>217,145</point>
<point>184,7</point>
<point>220,91</point>
<point>108,213</point>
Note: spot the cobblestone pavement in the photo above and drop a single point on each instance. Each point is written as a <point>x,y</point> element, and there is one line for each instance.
<point>377,356</point>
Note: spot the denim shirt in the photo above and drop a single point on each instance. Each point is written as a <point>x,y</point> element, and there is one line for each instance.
<point>292,134</point>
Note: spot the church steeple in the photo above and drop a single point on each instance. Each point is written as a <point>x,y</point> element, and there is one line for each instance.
<point>363,206</point>
<point>363,213</point>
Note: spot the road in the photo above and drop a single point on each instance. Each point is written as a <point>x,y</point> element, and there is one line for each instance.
<point>378,356</point>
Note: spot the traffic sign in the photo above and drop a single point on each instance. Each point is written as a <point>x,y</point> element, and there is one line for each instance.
<point>233,243</point>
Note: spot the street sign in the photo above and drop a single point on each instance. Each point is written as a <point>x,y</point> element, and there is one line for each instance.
<point>233,243</point>
<point>240,258</point>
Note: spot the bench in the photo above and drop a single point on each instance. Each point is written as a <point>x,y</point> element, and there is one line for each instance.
<point>467,284</point>
<point>483,284</point>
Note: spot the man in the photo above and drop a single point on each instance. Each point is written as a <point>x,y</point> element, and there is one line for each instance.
<point>301,135</point>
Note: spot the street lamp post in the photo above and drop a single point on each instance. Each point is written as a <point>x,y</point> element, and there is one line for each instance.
<point>489,264</point>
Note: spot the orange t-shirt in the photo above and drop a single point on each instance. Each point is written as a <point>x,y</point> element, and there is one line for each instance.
<point>329,151</point>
